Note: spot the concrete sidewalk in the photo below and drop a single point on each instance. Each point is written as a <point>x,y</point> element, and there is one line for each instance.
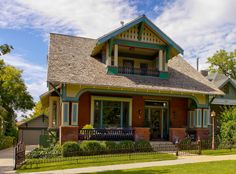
<point>180,160</point>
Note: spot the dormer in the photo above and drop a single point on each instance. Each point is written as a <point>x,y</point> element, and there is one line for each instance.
<point>137,48</point>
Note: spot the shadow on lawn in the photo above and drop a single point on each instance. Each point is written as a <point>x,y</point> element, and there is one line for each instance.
<point>163,171</point>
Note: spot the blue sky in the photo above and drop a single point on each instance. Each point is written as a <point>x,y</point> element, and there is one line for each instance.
<point>200,27</point>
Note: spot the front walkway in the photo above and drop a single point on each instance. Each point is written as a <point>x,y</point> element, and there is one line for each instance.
<point>7,159</point>
<point>180,160</point>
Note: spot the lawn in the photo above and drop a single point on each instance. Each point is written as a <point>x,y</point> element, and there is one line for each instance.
<point>220,167</point>
<point>95,161</point>
<point>219,152</point>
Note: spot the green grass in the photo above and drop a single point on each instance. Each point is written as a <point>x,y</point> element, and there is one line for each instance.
<point>97,161</point>
<point>219,152</point>
<point>220,167</point>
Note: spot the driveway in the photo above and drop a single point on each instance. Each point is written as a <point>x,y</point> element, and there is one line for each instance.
<point>7,159</point>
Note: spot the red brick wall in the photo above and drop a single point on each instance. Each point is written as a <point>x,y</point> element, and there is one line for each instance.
<point>178,112</point>
<point>68,133</point>
<point>84,109</point>
<point>177,133</point>
<point>202,133</point>
<point>142,133</point>
<point>138,111</point>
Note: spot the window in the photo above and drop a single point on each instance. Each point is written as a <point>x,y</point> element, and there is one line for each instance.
<point>110,112</point>
<point>191,119</point>
<point>74,114</point>
<point>54,113</point>
<point>205,118</point>
<point>65,112</point>
<point>199,118</point>
<point>143,68</point>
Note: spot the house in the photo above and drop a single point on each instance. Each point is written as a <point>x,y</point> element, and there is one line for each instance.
<point>228,86</point>
<point>31,130</point>
<point>131,78</point>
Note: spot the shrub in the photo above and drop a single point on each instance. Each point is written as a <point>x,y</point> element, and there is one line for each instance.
<point>143,146</point>
<point>42,153</point>
<point>57,149</point>
<point>6,141</point>
<point>111,146</point>
<point>126,146</point>
<point>92,147</point>
<point>70,148</point>
<point>228,133</point>
<point>88,126</point>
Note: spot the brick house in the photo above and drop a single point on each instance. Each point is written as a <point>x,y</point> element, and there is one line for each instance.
<point>131,78</point>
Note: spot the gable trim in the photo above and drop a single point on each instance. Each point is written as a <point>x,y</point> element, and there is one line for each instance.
<point>143,19</point>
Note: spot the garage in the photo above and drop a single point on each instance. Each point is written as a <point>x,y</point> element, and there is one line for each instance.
<point>30,130</point>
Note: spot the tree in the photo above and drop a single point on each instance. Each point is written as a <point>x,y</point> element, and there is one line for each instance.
<point>13,93</point>
<point>38,110</point>
<point>5,49</point>
<point>223,62</point>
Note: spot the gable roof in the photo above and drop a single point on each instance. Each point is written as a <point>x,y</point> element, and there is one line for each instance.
<point>220,79</point>
<point>134,22</point>
<point>31,119</point>
<point>69,61</point>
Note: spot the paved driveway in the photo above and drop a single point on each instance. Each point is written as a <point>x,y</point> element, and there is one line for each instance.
<point>7,159</point>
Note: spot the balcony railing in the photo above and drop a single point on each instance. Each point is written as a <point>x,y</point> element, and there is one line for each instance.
<point>138,71</point>
<point>106,134</point>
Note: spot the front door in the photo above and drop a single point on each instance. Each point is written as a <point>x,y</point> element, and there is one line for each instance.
<point>155,123</point>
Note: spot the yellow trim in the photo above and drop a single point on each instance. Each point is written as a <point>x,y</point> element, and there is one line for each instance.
<point>110,99</point>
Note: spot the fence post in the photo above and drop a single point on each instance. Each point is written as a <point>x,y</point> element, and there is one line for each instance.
<point>199,145</point>
<point>177,147</point>
<point>14,158</point>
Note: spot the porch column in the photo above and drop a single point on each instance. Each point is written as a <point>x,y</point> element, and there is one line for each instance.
<point>160,60</point>
<point>165,65</point>
<point>108,57</point>
<point>116,55</point>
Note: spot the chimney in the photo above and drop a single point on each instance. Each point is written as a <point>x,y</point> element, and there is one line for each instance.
<point>122,23</point>
<point>204,72</point>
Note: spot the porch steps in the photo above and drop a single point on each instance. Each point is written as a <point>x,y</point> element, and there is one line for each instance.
<point>163,146</point>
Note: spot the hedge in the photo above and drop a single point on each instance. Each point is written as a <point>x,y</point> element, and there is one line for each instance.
<point>6,141</point>
<point>71,148</point>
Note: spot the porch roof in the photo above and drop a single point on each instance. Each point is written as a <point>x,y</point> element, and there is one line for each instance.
<point>69,61</point>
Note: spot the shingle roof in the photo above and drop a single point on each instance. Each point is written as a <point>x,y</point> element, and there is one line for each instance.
<point>69,61</point>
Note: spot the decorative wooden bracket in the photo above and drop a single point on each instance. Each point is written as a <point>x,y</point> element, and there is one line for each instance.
<point>55,89</point>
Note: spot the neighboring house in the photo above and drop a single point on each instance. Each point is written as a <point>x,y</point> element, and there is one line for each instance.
<point>30,130</point>
<point>132,77</point>
<point>228,86</point>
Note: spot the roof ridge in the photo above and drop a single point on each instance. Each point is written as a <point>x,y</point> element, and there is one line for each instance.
<point>67,35</point>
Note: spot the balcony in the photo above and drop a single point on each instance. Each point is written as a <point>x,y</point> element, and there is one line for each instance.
<point>138,71</point>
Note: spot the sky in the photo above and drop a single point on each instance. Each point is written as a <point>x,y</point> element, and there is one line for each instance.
<point>200,27</point>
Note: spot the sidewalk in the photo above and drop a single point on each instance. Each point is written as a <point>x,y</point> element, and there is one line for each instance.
<point>180,160</point>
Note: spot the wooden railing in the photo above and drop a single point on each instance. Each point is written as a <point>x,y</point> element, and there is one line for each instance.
<point>106,134</point>
<point>138,71</point>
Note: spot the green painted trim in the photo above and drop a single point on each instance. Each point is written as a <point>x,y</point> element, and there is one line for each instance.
<point>164,75</point>
<point>140,30</point>
<point>112,70</point>
<point>145,20</point>
<point>55,89</point>
<point>140,44</point>
<point>168,53</point>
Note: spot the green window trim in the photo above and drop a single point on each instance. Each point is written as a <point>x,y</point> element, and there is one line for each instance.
<point>65,112</point>
<point>74,114</point>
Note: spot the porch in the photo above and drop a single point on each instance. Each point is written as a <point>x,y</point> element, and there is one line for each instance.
<point>125,117</point>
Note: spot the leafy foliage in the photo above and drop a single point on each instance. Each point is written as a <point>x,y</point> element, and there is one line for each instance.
<point>92,147</point>
<point>38,110</point>
<point>13,95</point>
<point>70,148</point>
<point>143,145</point>
<point>6,141</point>
<point>223,62</point>
<point>228,126</point>
<point>5,48</point>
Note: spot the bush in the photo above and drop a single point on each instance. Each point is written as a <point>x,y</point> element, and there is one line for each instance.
<point>6,141</point>
<point>57,149</point>
<point>70,148</point>
<point>88,126</point>
<point>143,146</point>
<point>92,147</point>
<point>111,146</point>
<point>126,146</point>
<point>42,153</point>
<point>228,133</point>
